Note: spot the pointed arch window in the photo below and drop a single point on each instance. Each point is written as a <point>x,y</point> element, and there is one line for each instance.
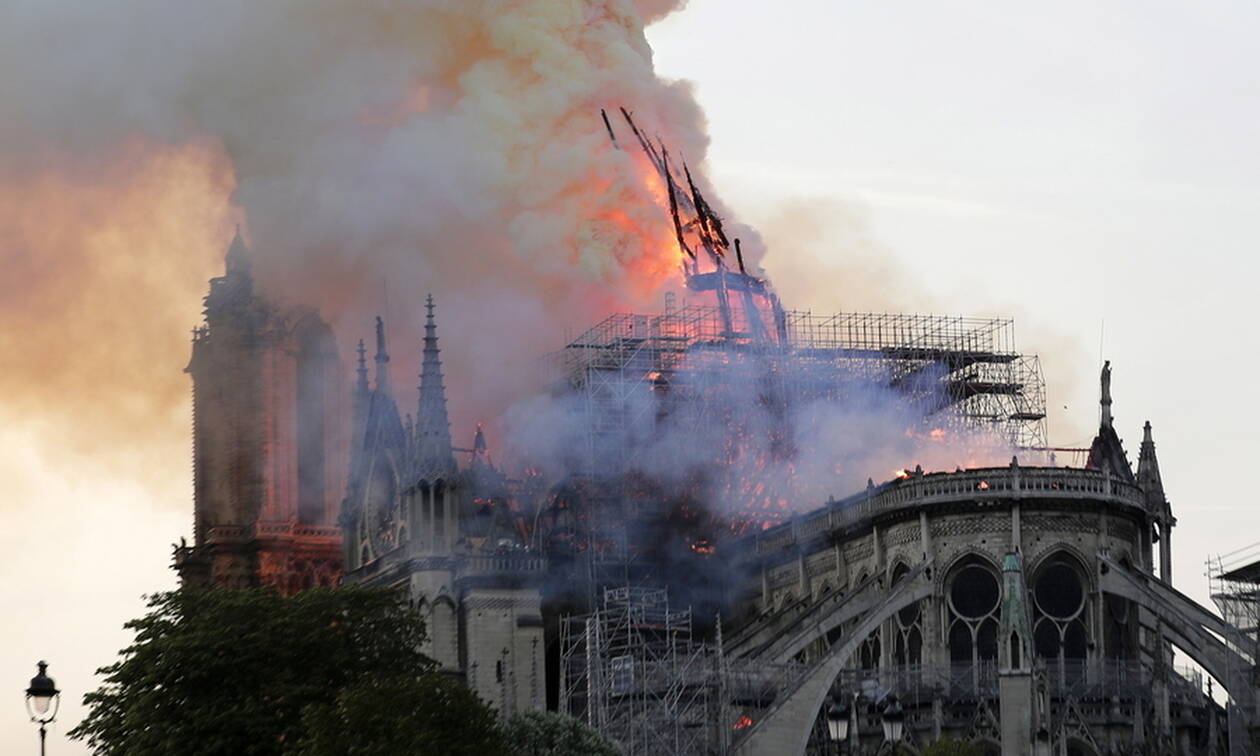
<point>906,627</point>
<point>973,598</point>
<point>1060,609</point>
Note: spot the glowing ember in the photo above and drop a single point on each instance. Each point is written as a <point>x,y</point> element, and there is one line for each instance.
<point>742,722</point>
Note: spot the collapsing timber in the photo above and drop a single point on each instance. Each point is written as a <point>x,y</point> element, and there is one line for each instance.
<point>705,249</point>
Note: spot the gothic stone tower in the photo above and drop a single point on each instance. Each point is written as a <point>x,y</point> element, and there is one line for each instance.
<point>268,448</point>
<point>404,525</point>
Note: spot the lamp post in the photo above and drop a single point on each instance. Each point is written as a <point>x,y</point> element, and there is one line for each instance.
<point>894,721</point>
<point>40,697</point>
<point>838,724</point>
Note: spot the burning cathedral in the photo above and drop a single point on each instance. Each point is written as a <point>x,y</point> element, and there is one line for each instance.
<point>689,583</point>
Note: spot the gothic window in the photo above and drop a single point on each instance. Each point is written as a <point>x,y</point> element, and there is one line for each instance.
<point>974,596</point>
<point>906,627</point>
<point>381,508</point>
<point>439,514</point>
<point>1059,611</point>
<point>868,652</point>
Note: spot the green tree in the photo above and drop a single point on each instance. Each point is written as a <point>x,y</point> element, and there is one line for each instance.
<point>432,715</point>
<point>233,672</point>
<point>951,747</point>
<point>542,733</point>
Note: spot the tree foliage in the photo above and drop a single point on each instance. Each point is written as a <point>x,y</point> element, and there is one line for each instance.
<point>541,733</point>
<point>249,672</point>
<point>432,715</point>
<point>951,747</point>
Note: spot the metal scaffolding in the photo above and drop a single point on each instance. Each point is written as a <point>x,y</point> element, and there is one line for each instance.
<point>1234,582</point>
<point>632,670</point>
<point>954,371</point>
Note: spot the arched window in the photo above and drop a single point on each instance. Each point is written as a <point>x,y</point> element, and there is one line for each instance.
<point>973,594</point>
<point>1059,613</point>
<point>868,652</point>
<point>906,627</point>
<point>381,508</point>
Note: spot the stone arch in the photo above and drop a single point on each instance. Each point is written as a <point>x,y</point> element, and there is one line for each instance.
<point>789,721</point>
<point>859,578</point>
<point>1060,549</point>
<point>971,592</point>
<point>968,553</point>
<point>1063,596</point>
<point>904,639</point>
<point>443,629</point>
<point>786,600</point>
<point>382,509</point>
<point>1193,629</point>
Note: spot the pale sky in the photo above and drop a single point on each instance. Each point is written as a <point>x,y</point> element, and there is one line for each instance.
<point>1086,168</point>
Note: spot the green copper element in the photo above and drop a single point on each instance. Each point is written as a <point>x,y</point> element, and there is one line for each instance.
<point>1015,628</point>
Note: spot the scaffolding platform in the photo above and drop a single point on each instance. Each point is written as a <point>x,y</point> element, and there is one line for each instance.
<point>953,370</point>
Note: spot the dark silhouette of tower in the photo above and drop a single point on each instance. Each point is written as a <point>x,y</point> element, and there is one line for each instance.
<point>268,445</point>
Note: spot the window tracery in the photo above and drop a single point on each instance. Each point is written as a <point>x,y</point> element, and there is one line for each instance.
<point>973,598</point>
<point>1060,634</point>
<point>906,627</point>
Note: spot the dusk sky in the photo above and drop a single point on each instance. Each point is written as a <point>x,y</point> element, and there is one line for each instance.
<point>1088,169</point>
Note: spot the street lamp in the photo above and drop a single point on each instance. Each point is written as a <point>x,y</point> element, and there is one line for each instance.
<point>894,720</point>
<point>838,722</point>
<point>40,697</point>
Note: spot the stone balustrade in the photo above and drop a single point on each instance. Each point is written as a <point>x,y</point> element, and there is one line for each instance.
<point>978,485</point>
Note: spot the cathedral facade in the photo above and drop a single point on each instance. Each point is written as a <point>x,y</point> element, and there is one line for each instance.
<point>276,503</point>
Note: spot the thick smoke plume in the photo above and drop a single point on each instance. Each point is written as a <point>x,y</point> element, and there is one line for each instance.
<point>374,150</point>
<point>384,150</point>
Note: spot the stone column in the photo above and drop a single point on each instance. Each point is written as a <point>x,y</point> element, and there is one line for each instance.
<point>1165,552</point>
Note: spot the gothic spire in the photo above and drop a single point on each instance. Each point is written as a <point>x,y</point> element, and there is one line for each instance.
<point>1148,469</point>
<point>237,258</point>
<point>382,358</point>
<point>433,428</point>
<point>1105,394</point>
<point>362,385</point>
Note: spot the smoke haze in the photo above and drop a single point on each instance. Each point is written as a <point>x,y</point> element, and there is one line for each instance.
<point>380,151</point>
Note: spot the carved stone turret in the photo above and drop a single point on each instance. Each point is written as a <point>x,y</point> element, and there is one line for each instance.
<point>434,456</point>
<point>1152,485</point>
